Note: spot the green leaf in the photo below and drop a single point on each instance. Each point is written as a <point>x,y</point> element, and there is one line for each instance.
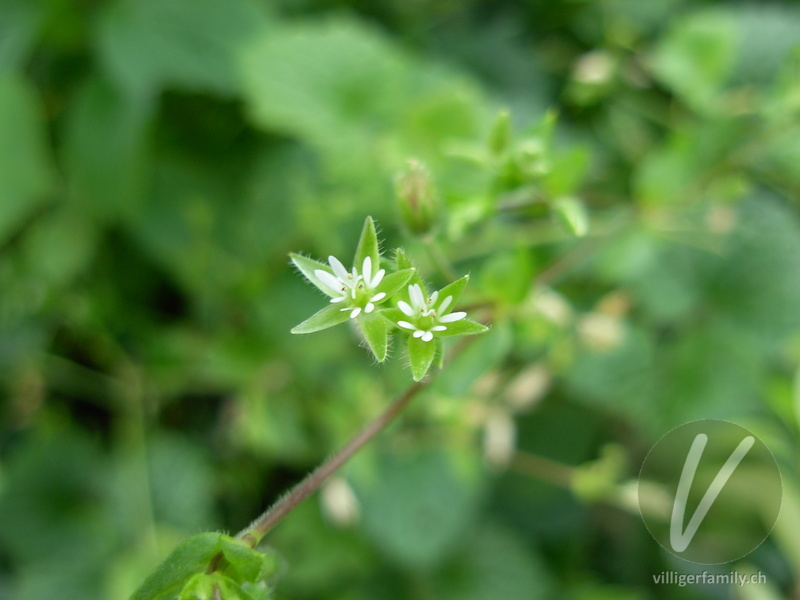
<point>25,171</point>
<point>307,266</point>
<point>393,283</point>
<point>149,45</point>
<point>20,21</point>
<point>106,150</point>
<point>375,330</point>
<point>328,317</point>
<point>696,58</point>
<point>324,81</point>
<point>244,563</point>
<point>368,246</point>
<point>419,505</point>
<point>420,356</point>
<point>572,215</point>
<point>189,558</point>
<point>463,327</point>
<point>455,290</point>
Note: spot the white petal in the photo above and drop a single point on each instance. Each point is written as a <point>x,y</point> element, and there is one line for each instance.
<point>367,270</point>
<point>378,297</point>
<point>407,310</point>
<point>434,296</point>
<point>338,268</point>
<point>329,280</point>
<point>438,328</point>
<point>378,278</point>
<point>418,333</point>
<point>356,312</point>
<point>445,303</point>
<point>415,292</point>
<point>339,299</point>
<point>456,316</point>
<point>369,307</point>
<point>427,336</point>
<point>405,325</point>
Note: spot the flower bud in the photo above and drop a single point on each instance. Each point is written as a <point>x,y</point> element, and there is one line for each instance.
<point>416,198</point>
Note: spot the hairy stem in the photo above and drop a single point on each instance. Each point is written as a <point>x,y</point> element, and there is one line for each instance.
<point>258,528</point>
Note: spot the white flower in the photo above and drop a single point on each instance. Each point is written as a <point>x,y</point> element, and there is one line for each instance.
<point>355,289</point>
<point>427,316</point>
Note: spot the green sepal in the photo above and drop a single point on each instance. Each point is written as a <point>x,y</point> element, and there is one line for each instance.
<point>455,290</point>
<point>463,327</point>
<point>420,356</point>
<point>328,317</point>
<point>307,266</point>
<point>376,334</point>
<point>368,246</point>
<point>393,315</point>
<point>394,282</point>
<point>402,260</point>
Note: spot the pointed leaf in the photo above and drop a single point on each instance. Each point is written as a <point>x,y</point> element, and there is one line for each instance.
<point>327,317</point>
<point>375,330</point>
<point>307,266</point>
<point>420,356</point>
<point>368,246</point>
<point>244,563</point>
<point>393,283</point>
<point>189,558</point>
<point>455,290</point>
<point>463,327</point>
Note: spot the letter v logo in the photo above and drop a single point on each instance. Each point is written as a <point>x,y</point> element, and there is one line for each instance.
<point>680,539</point>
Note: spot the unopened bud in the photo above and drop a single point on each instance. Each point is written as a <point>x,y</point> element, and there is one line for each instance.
<point>339,502</point>
<point>416,198</point>
<point>499,439</point>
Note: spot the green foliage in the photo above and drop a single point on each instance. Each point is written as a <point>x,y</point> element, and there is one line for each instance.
<point>184,573</point>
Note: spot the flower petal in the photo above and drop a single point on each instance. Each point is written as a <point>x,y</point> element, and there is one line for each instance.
<point>356,312</point>
<point>445,303</point>
<point>433,297</point>
<point>378,278</point>
<point>329,280</point>
<point>452,317</point>
<point>369,307</point>
<point>366,271</point>
<point>439,328</point>
<point>426,336</point>
<point>378,297</point>
<point>339,299</point>
<point>415,292</point>
<point>405,325</point>
<point>338,268</point>
<point>407,310</point>
<point>419,333</point>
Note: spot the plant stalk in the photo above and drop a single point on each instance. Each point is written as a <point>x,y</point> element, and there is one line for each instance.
<point>258,528</point>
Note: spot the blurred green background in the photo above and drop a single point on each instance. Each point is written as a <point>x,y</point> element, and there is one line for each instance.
<point>160,158</point>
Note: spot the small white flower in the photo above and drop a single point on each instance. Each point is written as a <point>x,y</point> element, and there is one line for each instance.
<point>428,317</point>
<point>354,288</point>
